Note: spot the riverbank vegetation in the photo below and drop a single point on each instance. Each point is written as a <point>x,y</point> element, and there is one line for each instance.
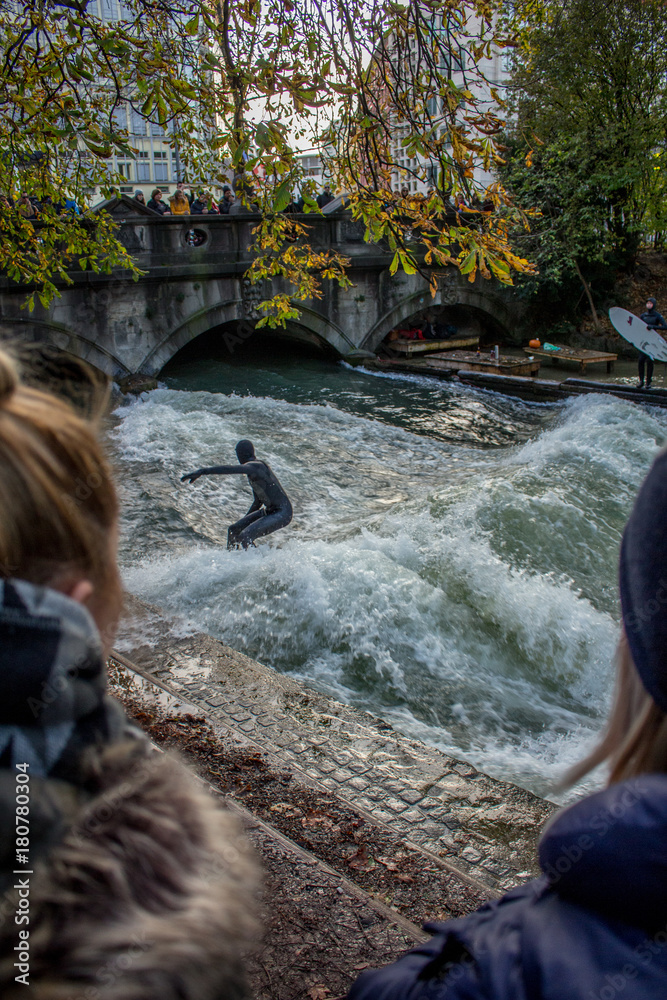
<point>586,150</point>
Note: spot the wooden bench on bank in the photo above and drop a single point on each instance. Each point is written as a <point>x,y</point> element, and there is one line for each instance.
<point>576,355</point>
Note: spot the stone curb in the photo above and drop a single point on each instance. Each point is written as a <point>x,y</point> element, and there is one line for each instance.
<point>483,829</point>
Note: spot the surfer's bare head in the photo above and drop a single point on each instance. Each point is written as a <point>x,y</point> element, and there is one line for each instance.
<point>245,451</point>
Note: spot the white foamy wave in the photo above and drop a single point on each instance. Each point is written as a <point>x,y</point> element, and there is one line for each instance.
<point>467,595</point>
<point>598,431</point>
<point>383,621</point>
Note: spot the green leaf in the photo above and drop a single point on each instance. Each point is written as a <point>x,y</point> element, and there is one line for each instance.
<point>408,266</point>
<point>282,196</point>
<point>148,105</point>
<point>469,263</point>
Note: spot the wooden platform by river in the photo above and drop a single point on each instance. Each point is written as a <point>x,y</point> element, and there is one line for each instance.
<point>575,355</point>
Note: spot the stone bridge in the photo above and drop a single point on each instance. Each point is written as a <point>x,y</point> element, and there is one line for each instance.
<point>125,327</point>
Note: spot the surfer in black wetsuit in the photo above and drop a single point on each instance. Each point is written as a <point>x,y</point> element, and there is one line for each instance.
<point>654,320</point>
<point>270,508</point>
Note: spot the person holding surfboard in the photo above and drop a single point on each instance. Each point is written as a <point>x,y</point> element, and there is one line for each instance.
<point>654,321</point>
<point>644,334</point>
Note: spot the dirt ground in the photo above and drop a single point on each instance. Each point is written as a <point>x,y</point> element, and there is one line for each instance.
<point>632,291</point>
<point>321,929</point>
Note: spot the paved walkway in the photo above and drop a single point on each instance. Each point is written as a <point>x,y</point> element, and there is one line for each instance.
<point>482,829</point>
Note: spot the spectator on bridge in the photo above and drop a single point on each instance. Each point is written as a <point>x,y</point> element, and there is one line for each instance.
<point>179,203</point>
<point>70,207</point>
<point>211,207</point>
<point>180,186</point>
<point>325,197</point>
<point>199,205</point>
<point>594,925</point>
<point>156,203</point>
<point>26,207</point>
<point>140,885</point>
<point>244,195</point>
<point>296,203</point>
<point>227,201</point>
<point>139,196</point>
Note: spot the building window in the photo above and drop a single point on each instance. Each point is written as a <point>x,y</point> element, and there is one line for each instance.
<point>124,168</point>
<point>109,10</point>
<point>137,123</point>
<point>143,166</point>
<point>161,166</point>
<point>119,119</point>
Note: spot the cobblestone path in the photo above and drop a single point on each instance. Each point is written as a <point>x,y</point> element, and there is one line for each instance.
<point>482,830</point>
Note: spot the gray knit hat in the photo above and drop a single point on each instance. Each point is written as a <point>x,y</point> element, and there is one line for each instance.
<point>643,582</point>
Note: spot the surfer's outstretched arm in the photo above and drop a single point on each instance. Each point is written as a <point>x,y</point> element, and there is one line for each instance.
<point>216,470</point>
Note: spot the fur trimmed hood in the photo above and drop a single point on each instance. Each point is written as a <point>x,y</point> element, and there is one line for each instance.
<point>149,895</point>
<point>134,884</point>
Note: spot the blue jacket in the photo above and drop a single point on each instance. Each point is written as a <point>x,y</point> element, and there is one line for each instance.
<point>593,927</point>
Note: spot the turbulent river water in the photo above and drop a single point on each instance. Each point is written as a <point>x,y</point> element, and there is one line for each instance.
<point>451,565</point>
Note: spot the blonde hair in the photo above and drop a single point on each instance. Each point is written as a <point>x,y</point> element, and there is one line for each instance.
<point>634,741</point>
<point>58,504</point>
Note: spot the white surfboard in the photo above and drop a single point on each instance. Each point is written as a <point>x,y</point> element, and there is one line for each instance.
<point>642,336</point>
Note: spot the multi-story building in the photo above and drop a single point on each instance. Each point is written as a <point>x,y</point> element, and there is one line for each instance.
<point>418,173</point>
<point>156,163</point>
<point>314,169</point>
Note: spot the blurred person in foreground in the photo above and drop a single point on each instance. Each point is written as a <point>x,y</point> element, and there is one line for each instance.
<point>594,926</point>
<point>134,883</point>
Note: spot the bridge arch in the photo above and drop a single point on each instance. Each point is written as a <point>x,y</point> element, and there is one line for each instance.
<point>457,293</point>
<point>200,322</point>
<point>30,330</point>
<point>324,330</point>
<point>315,326</point>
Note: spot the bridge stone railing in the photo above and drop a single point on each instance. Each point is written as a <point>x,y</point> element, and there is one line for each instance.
<point>227,239</point>
<point>123,326</point>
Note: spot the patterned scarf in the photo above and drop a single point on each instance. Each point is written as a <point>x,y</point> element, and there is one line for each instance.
<point>53,709</point>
